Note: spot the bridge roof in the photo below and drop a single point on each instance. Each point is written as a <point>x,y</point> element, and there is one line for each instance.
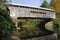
<point>18,5</point>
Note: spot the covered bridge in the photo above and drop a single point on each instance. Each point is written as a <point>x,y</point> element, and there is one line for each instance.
<point>19,11</point>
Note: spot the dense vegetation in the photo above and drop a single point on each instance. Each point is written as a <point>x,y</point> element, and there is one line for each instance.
<point>29,27</point>
<point>55,4</point>
<point>6,23</point>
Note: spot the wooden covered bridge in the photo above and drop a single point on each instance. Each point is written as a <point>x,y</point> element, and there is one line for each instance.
<point>19,11</point>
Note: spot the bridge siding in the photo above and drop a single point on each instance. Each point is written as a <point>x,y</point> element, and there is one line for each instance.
<point>26,12</point>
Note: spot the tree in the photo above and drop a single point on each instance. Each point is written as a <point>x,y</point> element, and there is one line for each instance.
<point>55,4</point>
<point>5,1</point>
<point>6,23</point>
<point>44,4</point>
<point>51,3</point>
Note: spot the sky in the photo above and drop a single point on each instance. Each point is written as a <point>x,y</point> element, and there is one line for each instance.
<point>30,2</point>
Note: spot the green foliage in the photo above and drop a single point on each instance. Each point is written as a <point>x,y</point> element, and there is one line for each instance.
<point>31,28</point>
<point>44,4</point>
<point>6,24</point>
<point>51,3</point>
<point>31,24</point>
<point>34,25</point>
<point>22,22</point>
<point>57,25</point>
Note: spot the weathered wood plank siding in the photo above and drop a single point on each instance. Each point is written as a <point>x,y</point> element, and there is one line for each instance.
<point>23,11</point>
